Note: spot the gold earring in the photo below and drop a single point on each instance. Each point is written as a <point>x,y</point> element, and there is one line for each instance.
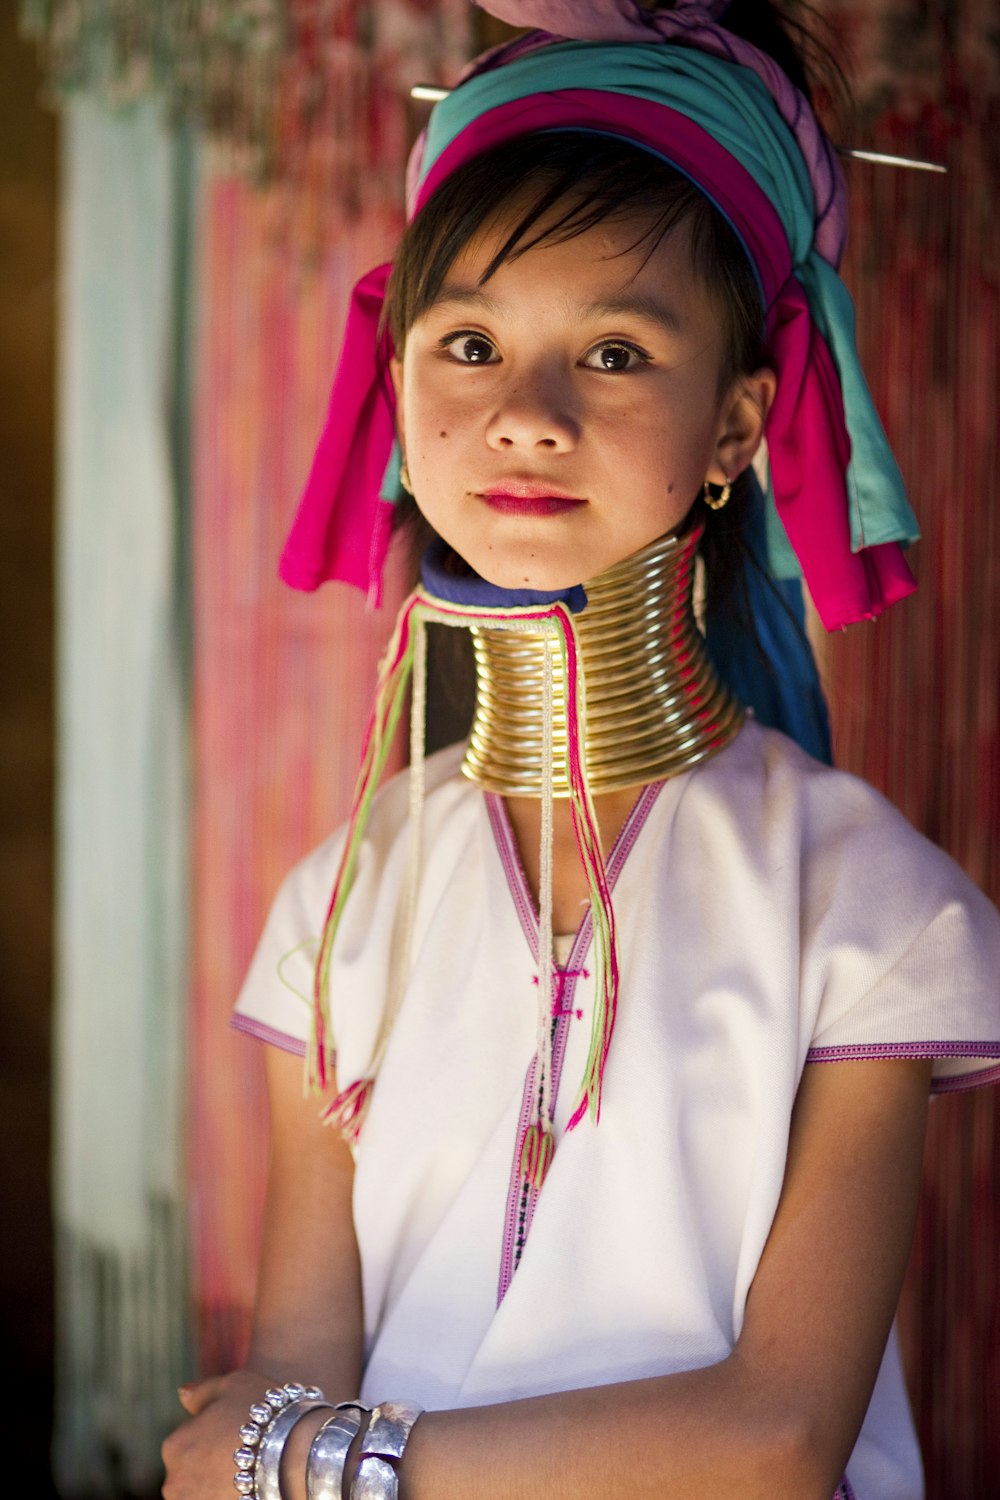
<point>716,496</point>
<point>404,478</point>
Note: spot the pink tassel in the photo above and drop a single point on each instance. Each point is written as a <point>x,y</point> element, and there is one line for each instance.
<point>347,1112</point>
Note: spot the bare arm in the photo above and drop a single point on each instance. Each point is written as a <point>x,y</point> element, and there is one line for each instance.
<point>780,1416</point>
<point>307,1318</point>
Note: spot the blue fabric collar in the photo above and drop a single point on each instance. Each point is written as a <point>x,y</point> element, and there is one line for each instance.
<point>468,588</point>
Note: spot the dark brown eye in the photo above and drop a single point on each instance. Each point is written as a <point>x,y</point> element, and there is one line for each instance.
<point>471,349</point>
<point>614,357</point>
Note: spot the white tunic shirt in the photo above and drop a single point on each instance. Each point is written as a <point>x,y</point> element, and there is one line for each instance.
<point>770,912</point>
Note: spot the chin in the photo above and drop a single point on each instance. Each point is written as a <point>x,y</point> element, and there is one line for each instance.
<point>542,580</point>
<point>507,572</point>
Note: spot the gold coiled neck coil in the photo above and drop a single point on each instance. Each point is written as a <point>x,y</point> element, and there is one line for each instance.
<point>654,705</point>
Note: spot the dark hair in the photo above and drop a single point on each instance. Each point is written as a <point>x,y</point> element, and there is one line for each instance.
<point>569,182</point>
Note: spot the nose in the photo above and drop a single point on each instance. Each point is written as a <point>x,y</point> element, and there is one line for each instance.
<point>536,411</point>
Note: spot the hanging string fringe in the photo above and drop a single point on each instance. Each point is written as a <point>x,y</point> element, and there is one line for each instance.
<point>390,691</point>
<point>406,656</point>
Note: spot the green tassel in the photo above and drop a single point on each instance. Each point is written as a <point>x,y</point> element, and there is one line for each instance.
<point>537,1153</point>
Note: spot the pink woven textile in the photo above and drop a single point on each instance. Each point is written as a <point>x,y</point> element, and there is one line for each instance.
<point>282,682</point>
<point>281,690</point>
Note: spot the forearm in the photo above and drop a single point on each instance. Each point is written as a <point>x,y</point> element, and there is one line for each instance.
<point>307,1323</point>
<point>697,1433</point>
<point>307,1326</point>
<point>702,1432</point>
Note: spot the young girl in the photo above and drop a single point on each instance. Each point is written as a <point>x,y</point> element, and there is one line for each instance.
<point>597,1219</point>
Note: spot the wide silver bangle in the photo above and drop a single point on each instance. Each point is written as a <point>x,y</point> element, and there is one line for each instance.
<point>388,1433</point>
<point>264,1434</point>
<point>330,1446</point>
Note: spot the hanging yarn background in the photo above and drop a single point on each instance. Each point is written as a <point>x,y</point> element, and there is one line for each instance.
<point>296,120</point>
<point>291,90</point>
<point>915,703</point>
<point>282,681</point>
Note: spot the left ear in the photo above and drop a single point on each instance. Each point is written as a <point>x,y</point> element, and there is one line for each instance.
<point>743,418</point>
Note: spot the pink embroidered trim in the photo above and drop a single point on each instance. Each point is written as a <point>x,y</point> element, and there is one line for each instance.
<point>845,1490</point>
<point>503,835</point>
<point>261,1032</point>
<point>521,1197</point>
<point>560,1025</point>
<point>957,1083</point>
<point>517,882</point>
<point>515,1231</point>
<point>963,1083</point>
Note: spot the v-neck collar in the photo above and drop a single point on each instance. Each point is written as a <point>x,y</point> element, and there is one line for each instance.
<point>517,883</point>
<point>522,1196</point>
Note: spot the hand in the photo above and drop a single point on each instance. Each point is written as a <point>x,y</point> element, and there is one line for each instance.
<point>198,1456</point>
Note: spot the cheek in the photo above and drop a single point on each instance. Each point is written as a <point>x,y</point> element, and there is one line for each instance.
<point>655,458</point>
<point>437,426</point>
<point>639,441</point>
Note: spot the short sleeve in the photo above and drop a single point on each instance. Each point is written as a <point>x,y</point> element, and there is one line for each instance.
<point>929,972</point>
<point>275,1001</point>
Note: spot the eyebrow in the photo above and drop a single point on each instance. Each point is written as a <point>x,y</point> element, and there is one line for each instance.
<point>638,305</point>
<point>466,296</point>
<point>627,304</point>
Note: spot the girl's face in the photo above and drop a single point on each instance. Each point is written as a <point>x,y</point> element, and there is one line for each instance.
<point>566,413</point>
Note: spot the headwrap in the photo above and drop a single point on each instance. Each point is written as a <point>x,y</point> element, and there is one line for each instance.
<point>724,114</point>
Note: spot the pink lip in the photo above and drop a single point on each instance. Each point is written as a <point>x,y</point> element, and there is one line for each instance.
<point>527,499</point>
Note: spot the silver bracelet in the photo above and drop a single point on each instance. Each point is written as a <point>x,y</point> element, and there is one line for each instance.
<point>264,1434</point>
<point>330,1446</point>
<point>388,1433</point>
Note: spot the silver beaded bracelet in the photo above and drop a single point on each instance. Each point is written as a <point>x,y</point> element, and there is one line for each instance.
<point>330,1446</point>
<point>264,1435</point>
<point>388,1433</point>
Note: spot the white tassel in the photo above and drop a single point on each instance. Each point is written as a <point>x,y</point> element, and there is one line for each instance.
<point>545,946</point>
<point>411,884</point>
